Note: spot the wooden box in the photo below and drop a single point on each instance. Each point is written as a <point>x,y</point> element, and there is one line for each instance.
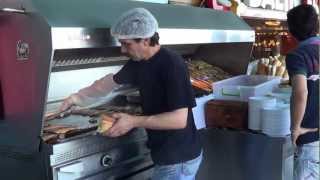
<point>226,114</point>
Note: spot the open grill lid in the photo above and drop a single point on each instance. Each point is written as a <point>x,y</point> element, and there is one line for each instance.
<point>82,24</point>
<point>178,24</point>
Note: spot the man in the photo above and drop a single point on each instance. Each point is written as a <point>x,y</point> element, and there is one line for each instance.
<point>303,68</point>
<point>167,97</point>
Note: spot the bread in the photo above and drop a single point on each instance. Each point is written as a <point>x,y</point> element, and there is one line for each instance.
<point>57,128</point>
<point>262,68</point>
<point>276,63</point>
<point>64,130</point>
<point>105,123</point>
<point>280,71</point>
<point>286,75</point>
<point>274,70</point>
<point>269,70</point>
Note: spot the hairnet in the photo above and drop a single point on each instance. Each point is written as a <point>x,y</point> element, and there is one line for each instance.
<point>135,23</point>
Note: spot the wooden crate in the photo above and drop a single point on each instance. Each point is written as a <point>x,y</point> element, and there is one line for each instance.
<point>226,114</point>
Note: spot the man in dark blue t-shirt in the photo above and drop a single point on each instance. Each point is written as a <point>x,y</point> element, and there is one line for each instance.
<point>303,68</point>
<point>167,98</point>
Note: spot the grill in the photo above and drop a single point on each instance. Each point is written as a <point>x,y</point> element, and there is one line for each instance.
<point>55,52</point>
<point>80,152</point>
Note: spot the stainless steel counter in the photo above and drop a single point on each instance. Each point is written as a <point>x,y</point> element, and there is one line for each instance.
<point>236,155</point>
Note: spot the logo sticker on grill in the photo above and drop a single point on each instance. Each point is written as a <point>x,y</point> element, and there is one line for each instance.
<point>22,51</point>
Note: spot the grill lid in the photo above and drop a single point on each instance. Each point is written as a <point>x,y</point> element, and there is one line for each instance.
<point>199,25</point>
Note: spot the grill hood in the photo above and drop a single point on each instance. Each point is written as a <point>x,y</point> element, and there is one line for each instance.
<point>177,24</point>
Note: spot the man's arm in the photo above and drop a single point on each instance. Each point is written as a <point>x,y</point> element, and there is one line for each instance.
<point>89,95</point>
<point>298,106</point>
<point>176,119</point>
<point>169,120</point>
<point>298,99</point>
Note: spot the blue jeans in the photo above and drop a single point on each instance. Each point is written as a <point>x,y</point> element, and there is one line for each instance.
<point>182,171</point>
<point>306,162</point>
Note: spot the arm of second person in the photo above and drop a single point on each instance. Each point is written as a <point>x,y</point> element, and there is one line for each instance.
<point>298,106</point>
<point>88,95</point>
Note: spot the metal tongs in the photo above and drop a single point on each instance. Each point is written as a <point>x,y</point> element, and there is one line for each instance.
<point>75,111</point>
<point>57,114</point>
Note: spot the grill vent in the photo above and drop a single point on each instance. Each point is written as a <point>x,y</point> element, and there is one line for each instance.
<point>75,154</point>
<point>86,60</point>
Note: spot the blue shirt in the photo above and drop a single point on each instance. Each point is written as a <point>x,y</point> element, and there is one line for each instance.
<point>305,60</point>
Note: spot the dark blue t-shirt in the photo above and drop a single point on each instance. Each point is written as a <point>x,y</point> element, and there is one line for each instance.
<point>164,85</point>
<point>305,60</point>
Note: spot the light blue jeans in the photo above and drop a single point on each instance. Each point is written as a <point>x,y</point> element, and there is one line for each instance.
<point>306,162</point>
<point>182,171</point>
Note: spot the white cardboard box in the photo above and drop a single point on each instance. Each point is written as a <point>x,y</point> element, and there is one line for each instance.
<point>198,111</point>
<point>240,88</point>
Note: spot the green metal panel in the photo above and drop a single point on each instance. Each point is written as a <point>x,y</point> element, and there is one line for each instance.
<point>103,13</point>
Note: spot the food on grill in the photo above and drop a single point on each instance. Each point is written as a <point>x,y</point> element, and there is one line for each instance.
<point>78,121</point>
<point>202,74</point>
<point>85,112</point>
<point>130,109</point>
<point>54,132</point>
<point>64,130</point>
<point>82,112</point>
<point>105,123</point>
<point>54,128</point>
<point>56,115</point>
<point>201,84</point>
<point>49,136</point>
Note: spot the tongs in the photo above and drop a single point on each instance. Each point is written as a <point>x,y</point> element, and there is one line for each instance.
<point>57,114</point>
<point>75,111</point>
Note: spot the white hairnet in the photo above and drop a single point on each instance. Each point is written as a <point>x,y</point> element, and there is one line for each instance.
<point>135,23</point>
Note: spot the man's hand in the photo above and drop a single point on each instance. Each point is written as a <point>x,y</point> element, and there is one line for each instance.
<point>66,104</point>
<point>122,125</point>
<point>72,100</point>
<point>300,131</point>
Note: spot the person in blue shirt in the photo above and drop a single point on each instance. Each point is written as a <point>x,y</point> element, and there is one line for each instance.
<point>303,67</point>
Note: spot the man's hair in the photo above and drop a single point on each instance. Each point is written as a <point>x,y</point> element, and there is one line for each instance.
<point>303,22</point>
<point>154,40</point>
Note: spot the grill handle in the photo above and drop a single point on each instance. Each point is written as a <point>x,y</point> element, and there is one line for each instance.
<point>13,10</point>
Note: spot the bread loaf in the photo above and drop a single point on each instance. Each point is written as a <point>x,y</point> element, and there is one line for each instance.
<point>105,123</point>
<point>261,68</point>
<point>280,71</point>
<point>269,70</point>
<point>286,75</point>
<point>276,63</point>
<point>274,70</point>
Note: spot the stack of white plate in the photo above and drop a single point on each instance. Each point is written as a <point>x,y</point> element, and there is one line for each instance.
<point>256,103</point>
<point>276,120</point>
<point>282,98</point>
